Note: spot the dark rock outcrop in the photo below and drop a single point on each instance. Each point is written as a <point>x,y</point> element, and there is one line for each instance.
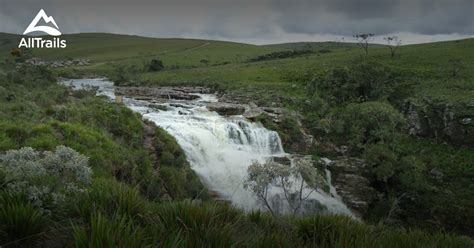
<point>253,113</point>
<point>450,122</point>
<point>354,189</point>
<point>223,108</point>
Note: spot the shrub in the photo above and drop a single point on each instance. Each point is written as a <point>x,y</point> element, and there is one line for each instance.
<point>364,80</point>
<point>156,65</point>
<point>46,178</point>
<point>369,123</point>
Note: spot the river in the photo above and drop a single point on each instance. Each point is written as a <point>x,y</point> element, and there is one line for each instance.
<point>218,148</point>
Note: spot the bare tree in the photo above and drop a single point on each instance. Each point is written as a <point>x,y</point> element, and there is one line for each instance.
<point>363,41</point>
<point>393,42</point>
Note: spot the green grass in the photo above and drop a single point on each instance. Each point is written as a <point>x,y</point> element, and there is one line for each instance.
<point>226,60</point>
<point>20,222</point>
<point>125,201</point>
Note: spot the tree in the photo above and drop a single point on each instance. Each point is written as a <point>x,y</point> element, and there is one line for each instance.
<point>370,123</point>
<point>297,181</point>
<point>363,41</point>
<point>393,42</point>
<point>156,65</point>
<point>363,80</point>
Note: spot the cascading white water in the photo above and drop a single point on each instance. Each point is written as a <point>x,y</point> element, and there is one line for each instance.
<point>219,149</point>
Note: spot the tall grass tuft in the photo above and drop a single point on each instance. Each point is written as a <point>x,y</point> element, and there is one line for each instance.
<point>334,231</point>
<point>20,222</point>
<point>116,231</point>
<point>110,197</point>
<point>188,224</point>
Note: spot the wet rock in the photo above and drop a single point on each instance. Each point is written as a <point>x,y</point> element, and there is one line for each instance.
<point>158,106</point>
<point>226,108</point>
<point>179,105</point>
<point>354,189</point>
<point>170,93</point>
<point>253,114</point>
<point>282,160</point>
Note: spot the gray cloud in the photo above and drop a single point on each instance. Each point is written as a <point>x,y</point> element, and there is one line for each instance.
<point>376,16</point>
<point>256,21</point>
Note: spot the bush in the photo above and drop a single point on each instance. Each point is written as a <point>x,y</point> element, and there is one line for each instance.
<point>369,123</point>
<point>364,80</point>
<point>156,65</point>
<point>45,178</point>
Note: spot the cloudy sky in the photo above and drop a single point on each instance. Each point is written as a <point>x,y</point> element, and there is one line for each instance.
<point>252,21</point>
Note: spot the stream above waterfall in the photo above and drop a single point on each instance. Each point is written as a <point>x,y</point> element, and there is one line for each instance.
<point>218,148</point>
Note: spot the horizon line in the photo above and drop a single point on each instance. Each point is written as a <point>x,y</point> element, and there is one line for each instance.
<point>245,43</point>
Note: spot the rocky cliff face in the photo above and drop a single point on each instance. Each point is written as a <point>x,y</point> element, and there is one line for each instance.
<point>354,189</point>
<point>451,122</point>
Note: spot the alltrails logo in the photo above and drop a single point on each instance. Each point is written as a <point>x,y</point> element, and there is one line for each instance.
<point>39,42</point>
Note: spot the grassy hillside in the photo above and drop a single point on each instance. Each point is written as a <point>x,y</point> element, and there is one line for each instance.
<point>100,47</point>
<point>104,189</point>
<point>366,103</point>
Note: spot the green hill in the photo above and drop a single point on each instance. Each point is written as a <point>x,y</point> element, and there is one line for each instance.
<point>101,47</point>
<point>408,117</point>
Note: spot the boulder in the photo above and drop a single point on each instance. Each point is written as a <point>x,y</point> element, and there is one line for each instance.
<point>223,108</point>
<point>282,160</point>
<point>253,113</point>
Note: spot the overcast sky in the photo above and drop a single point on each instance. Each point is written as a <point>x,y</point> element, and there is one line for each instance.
<point>252,21</point>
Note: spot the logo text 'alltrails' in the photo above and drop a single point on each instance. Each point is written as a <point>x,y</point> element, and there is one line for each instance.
<point>40,42</point>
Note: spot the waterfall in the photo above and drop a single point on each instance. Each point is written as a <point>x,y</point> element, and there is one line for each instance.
<point>219,149</point>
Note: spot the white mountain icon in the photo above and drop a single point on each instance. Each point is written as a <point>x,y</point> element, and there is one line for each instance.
<point>47,29</point>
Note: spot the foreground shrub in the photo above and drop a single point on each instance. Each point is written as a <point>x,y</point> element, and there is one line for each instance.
<point>46,178</point>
